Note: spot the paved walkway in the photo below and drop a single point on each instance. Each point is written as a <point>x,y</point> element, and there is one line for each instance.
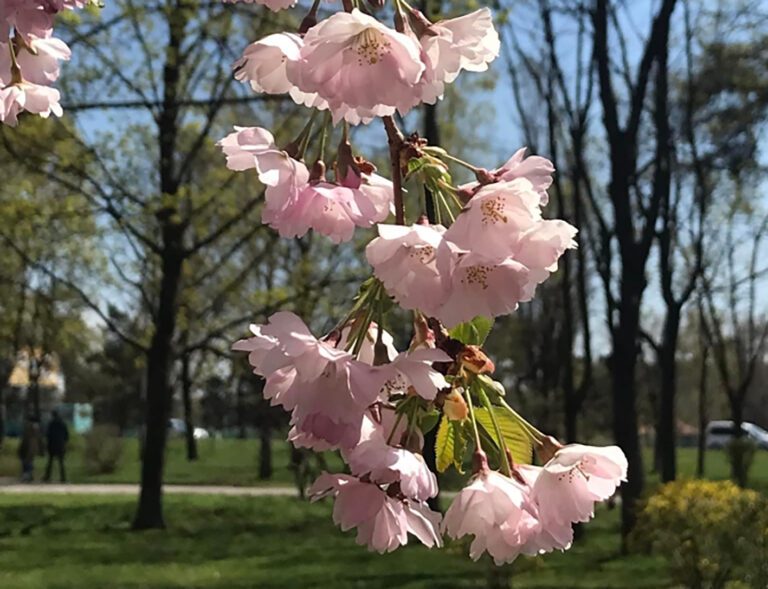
<point>67,489</point>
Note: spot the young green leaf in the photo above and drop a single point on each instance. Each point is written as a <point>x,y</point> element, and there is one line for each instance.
<point>444,451</point>
<point>516,438</point>
<point>473,332</point>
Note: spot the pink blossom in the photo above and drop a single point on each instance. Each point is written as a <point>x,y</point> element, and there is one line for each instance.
<point>385,464</point>
<point>38,64</point>
<point>327,390</point>
<point>468,42</point>
<point>536,169</point>
<point>383,522</point>
<point>414,369</point>
<point>498,512</point>
<point>354,62</point>
<point>300,203</point>
<point>254,147</point>
<point>478,285</point>
<point>33,98</point>
<point>405,260</point>
<point>273,5</point>
<point>264,64</point>
<point>495,218</point>
<point>568,486</point>
<point>367,352</point>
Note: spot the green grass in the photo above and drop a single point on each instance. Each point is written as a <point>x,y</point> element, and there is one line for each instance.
<point>230,543</point>
<point>221,462</point>
<point>235,462</point>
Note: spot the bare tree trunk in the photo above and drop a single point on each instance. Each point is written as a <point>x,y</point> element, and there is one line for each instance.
<point>703,418</point>
<point>160,356</point>
<point>667,428</point>
<point>186,393</point>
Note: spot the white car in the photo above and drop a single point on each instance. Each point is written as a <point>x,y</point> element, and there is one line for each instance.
<point>720,433</point>
<point>179,427</point>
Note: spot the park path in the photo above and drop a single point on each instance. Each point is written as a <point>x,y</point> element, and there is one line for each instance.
<point>14,488</point>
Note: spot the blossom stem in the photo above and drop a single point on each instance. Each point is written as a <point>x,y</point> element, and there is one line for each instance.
<point>394,429</point>
<point>16,77</point>
<point>506,467</point>
<point>324,136</point>
<point>530,429</point>
<point>395,140</point>
<point>478,444</point>
<point>441,153</point>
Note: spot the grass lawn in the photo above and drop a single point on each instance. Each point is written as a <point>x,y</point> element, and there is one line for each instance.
<point>222,462</point>
<point>83,542</point>
<point>235,462</point>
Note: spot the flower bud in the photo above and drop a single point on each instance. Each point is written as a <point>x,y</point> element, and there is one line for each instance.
<point>547,449</point>
<point>455,407</point>
<point>474,360</point>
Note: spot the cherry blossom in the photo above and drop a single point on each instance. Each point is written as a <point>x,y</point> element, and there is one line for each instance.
<point>264,65</point>
<point>382,522</point>
<point>354,62</point>
<point>468,42</point>
<point>536,169</point>
<point>405,260</point>
<point>498,512</point>
<point>33,98</point>
<point>568,486</point>
<point>478,285</point>
<point>495,218</point>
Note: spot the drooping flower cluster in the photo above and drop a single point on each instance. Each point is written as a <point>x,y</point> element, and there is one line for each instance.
<point>483,249</point>
<point>360,69</point>
<point>490,259</point>
<point>30,56</point>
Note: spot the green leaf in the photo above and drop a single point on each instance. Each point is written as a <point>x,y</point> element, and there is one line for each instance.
<point>473,332</point>
<point>451,445</point>
<point>446,437</point>
<point>428,420</point>
<point>516,438</point>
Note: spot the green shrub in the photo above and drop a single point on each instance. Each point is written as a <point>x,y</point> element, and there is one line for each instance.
<point>103,450</point>
<point>708,531</point>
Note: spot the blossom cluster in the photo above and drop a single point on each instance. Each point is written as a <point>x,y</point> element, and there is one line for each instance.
<point>30,56</point>
<point>482,249</point>
<point>360,69</point>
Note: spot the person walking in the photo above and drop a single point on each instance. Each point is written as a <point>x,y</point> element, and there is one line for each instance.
<point>29,447</point>
<point>57,436</point>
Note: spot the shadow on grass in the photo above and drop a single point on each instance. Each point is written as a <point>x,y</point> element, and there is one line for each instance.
<point>267,542</point>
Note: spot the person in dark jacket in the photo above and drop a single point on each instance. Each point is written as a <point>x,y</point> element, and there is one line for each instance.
<point>57,436</point>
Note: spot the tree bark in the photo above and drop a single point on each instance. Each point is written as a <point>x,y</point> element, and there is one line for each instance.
<point>703,418</point>
<point>149,513</point>
<point>666,430</point>
<point>186,392</point>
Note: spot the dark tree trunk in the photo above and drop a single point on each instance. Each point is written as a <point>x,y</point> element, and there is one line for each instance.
<point>2,413</point>
<point>265,452</point>
<point>242,426</point>
<point>158,402</point>
<point>703,418</point>
<point>186,393</point>
<point>624,392</point>
<point>666,434</point>
<point>160,356</point>
<point>739,463</point>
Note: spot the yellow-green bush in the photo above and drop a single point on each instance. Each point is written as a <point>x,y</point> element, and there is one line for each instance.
<point>713,534</point>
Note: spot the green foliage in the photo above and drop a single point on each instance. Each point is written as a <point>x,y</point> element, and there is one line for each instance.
<point>707,531</point>
<point>103,450</point>
<point>473,332</point>
<point>516,439</point>
<point>450,444</point>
